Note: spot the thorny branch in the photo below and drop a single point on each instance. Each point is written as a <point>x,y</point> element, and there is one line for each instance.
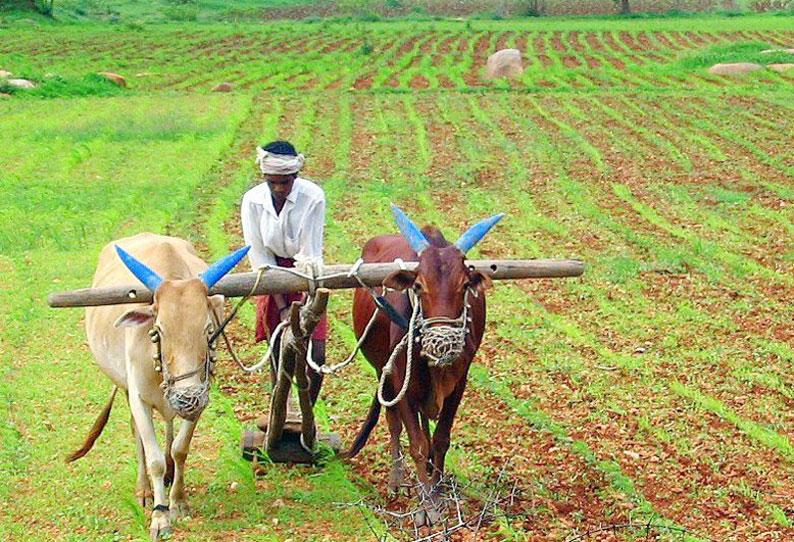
<point>465,507</point>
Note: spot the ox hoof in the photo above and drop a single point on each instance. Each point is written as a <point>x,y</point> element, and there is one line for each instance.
<point>426,517</point>
<point>161,527</point>
<point>396,479</point>
<point>179,510</point>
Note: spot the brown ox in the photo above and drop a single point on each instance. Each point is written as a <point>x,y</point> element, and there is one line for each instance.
<point>443,285</point>
<point>178,331</point>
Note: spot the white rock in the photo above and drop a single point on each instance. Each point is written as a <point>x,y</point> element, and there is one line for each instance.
<point>504,63</point>
<point>734,68</point>
<point>21,83</point>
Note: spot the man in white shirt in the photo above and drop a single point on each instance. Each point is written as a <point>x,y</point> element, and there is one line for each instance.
<point>283,220</point>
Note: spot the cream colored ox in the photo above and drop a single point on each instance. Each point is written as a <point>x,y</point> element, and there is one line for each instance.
<point>161,355</point>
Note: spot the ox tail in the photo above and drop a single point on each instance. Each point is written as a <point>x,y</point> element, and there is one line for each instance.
<point>96,429</point>
<point>366,429</point>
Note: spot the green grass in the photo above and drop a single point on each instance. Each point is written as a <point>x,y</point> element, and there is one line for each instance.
<point>669,183</point>
<point>737,52</point>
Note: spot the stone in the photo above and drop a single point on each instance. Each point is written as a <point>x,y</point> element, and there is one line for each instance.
<point>768,51</point>
<point>114,78</point>
<point>780,67</point>
<point>222,87</point>
<point>21,83</point>
<point>504,63</point>
<point>735,68</point>
<point>5,74</point>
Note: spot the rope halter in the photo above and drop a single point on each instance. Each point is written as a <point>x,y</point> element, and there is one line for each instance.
<point>190,401</point>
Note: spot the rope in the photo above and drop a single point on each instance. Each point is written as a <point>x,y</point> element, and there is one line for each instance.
<point>389,367</point>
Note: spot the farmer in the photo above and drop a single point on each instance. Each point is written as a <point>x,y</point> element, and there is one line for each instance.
<point>283,220</point>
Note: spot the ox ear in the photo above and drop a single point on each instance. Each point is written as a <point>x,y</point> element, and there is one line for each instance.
<point>135,318</point>
<point>400,280</point>
<point>480,281</point>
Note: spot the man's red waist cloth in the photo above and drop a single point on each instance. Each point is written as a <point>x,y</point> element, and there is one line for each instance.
<point>267,317</point>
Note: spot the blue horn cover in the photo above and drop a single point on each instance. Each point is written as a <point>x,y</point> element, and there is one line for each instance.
<point>148,277</point>
<point>412,234</point>
<point>217,270</point>
<point>475,234</point>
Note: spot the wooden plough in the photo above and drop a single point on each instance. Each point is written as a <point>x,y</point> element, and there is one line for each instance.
<point>287,436</point>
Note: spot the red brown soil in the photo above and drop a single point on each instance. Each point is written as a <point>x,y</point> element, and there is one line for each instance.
<point>539,44</point>
<point>445,82</point>
<point>556,42</point>
<point>574,41</point>
<point>662,38</point>
<point>571,61</point>
<point>419,82</point>
<point>592,62</point>
<point>504,39</point>
<point>696,38</point>
<point>681,39</point>
<point>364,82</point>
<point>594,43</point>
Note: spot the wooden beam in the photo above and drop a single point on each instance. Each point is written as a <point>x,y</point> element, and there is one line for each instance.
<point>280,281</point>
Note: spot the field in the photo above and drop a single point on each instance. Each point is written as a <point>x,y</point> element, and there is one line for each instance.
<point>656,387</point>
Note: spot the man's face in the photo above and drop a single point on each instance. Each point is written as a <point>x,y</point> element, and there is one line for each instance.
<point>280,185</point>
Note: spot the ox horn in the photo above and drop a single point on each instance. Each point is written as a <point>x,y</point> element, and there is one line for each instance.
<point>217,270</point>
<point>475,234</point>
<point>149,278</point>
<point>412,234</point>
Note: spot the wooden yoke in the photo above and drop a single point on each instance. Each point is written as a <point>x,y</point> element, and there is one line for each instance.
<point>292,364</point>
<point>276,280</point>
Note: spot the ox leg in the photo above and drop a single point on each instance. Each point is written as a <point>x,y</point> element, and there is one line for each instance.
<point>395,429</point>
<point>179,505</point>
<point>420,452</point>
<point>143,491</point>
<point>443,429</point>
<point>155,462</point>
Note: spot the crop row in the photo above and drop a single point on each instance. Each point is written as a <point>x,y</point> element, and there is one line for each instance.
<point>380,59</point>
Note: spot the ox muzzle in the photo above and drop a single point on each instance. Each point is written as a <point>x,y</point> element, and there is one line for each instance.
<point>187,401</point>
<point>442,339</point>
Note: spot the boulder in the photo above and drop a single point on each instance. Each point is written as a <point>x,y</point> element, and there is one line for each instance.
<point>5,74</point>
<point>735,68</point>
<point>767,51</point>
<point>114,78</point>
<point>504,63</point>
<point>21,83</point>
<point>222,87</point>
<point>780,67</point>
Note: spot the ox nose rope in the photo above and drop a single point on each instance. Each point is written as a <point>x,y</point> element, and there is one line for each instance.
<point>442,345</point>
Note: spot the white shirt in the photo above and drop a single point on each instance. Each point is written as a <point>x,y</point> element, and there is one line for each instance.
<point>297,230</point>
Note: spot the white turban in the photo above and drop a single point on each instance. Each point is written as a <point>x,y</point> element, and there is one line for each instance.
<point>278,164</point>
